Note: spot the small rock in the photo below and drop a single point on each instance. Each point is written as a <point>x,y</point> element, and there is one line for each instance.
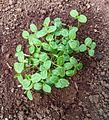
<point>103,73</point>
<point>6,119</point>
<point>10,2</point>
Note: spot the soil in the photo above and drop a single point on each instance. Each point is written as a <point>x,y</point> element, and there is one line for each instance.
<point>87,98</point>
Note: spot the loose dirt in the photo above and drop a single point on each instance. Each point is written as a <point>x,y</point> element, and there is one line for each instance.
<point>91,101</point>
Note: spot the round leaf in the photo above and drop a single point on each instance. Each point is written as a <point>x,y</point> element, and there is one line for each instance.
<point>25,83</point>
<point>64,32</point>
<point>32,49</point>
<point>91,52</point>
<point>72,33</point>
<point>38,86</point>
<point>46,22</point>
<point>93,45</point>
<point>72,44</point>
<point>19,67</point>
<point>53,45</point>
<point>74,13</point>
<point>61,71</point>
<point>57,22</point>
<point>52,80</point>
<point>47,64</point>
<point>82,48</point>
<point>67,66</point>
<point>41,33</point>
<point>82,18</point>
<point>70,72</point>
<point>49,37</point>
<point>29,95</point>
<point>25,34</point>
<point>62,83</point>
<point>21,56</point>
<point>46,88</point>
<point>36,77</point>
<point>79,66</point>
<point>88,41</point>
<point>18,48</point>
<point>51,29</point>
<point>44,74</point>
<point>73,61</point>
<point>33,27</point>
<point>46,46</point>
<point>43,57</point>
<point>60,60</point>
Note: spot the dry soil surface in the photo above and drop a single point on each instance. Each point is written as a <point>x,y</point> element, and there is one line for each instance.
<point>91,101</point>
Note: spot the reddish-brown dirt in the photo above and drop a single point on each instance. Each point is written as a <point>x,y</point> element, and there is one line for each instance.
<point>91,101</point>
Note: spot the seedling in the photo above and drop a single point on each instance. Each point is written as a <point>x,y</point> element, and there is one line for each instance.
<point>51,55</point>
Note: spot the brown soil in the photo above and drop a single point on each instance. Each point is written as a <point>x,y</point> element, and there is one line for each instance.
<point>91,101</point>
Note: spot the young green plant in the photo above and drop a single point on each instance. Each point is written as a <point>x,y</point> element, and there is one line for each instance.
<point>51,55</point>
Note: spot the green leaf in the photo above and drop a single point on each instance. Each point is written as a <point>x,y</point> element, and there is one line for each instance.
<point>37,42</point>
<point>43,57</point>
<point>88,41</point>
<point>57,22</point>
<point>36,77</point>
<point>33,27</point>
<point>91,52</point>
<point>93,45</point>
<point>35,62</point>
<point>68,66</point>
<point>52,80</point>
<point>64,41</point>
<point>18,48</point>
<point>46,88</point>
<point>55,72</point>
<point>41,33</point>
<point>46,22</point>
<point>32,49</point>
<point>47,64</point>
<point>36,55</point>
<point>60,60</point>
<point>49,37</point>
<point>72,33</point>
<point>42,68</point>
<point>53,45</point>
<point>25,34</point>
<point>73,61</point>
<point>66,57</point>
<point>79,66</point>
<point>51,29</point>
<point>19,67</point>
<point>44,74</point>
<point>82,18</point>
<point>32,38</point>
<point>61,47</point>
<point>38,86</point>
<point>46,46</point>
<point>74,13</point>
<point>64,32</point>
<point>29,95</point>
<point>62,83</point>
<point>72,44</point>
<point>25,83</point>
<point>70,72</point>
<point>20,78</point>
<point>82,48</point>
<point>61,71</point>
<point>21,56</point>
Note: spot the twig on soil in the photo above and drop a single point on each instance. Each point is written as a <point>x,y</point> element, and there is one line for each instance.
<point>76,86</point>
<point>9,65</point>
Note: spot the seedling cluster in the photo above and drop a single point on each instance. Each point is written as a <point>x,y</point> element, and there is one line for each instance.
<point>51,55</point>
